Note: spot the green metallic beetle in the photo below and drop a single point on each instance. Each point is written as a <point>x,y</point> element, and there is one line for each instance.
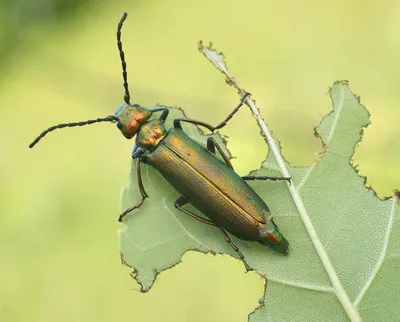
<point>203,180</point>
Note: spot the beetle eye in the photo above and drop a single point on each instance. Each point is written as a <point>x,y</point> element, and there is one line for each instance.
<point>119,125</point>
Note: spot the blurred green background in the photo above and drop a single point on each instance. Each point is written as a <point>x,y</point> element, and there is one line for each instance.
<point>59,257</point>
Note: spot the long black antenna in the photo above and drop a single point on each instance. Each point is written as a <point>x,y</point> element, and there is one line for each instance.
<point>110,118</point>
<point>127,97</point>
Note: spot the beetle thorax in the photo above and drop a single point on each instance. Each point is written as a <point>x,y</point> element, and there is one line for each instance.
<point>150,134</point>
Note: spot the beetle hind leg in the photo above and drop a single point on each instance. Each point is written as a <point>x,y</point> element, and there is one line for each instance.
<point>183,201</point>
<point>235,248</point>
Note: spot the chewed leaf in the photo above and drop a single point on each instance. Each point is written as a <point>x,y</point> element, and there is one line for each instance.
<point>343,259</point>
<point>347,228</point>
<point>214,56</point>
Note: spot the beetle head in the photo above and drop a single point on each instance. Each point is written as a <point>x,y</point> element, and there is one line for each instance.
<point>131,118</point>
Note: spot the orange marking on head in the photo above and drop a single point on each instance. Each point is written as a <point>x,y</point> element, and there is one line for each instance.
<point>132,126</point>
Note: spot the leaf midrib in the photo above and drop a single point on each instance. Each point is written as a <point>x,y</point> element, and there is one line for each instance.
<point>218,61</point>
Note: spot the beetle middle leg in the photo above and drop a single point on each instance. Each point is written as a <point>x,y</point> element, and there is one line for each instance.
<point>183,201</point>
<point>178,125</point>
<point>141,189</point>
<point>212,144</point>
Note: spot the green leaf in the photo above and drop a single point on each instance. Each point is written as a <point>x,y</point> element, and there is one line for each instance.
<point>343,260</point>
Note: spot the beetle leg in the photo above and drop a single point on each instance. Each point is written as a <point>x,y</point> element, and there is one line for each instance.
<point>164,115</point>
<point>183,201</point>
<point>135,147</point>
<point>137,152</point>
<point>178,125</point>
<point>156,109</point>
<point>236,249</point>
<point>141,189</point>
<point>223,123</point>
<point>212,144</point>
<point>266,178</point>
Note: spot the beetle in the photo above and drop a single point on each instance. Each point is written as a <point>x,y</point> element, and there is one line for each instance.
<point>211,185</point>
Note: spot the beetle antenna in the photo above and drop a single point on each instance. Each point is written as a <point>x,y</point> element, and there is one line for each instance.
<point>127,97</point>
<point>110,118</point>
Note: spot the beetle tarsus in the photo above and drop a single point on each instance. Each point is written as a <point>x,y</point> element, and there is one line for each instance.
<point>235,248</point>
<point>224,122</point>
<point>130,209</point>
<point>267,178</point>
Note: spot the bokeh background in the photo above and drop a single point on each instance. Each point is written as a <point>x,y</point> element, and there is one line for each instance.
<point>59,202</point>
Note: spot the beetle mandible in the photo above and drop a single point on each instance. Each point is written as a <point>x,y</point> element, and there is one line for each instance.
<point>203,180</point>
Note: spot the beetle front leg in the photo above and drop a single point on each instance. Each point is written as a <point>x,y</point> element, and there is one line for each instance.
<point>183,201</point>
<point>141,189</point>
<point>137,152</point>
<point>178,125</point>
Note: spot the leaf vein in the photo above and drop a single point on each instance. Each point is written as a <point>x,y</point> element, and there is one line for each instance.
<point>382,256</point>
<point>318,288</point>
<point>332,130</point>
